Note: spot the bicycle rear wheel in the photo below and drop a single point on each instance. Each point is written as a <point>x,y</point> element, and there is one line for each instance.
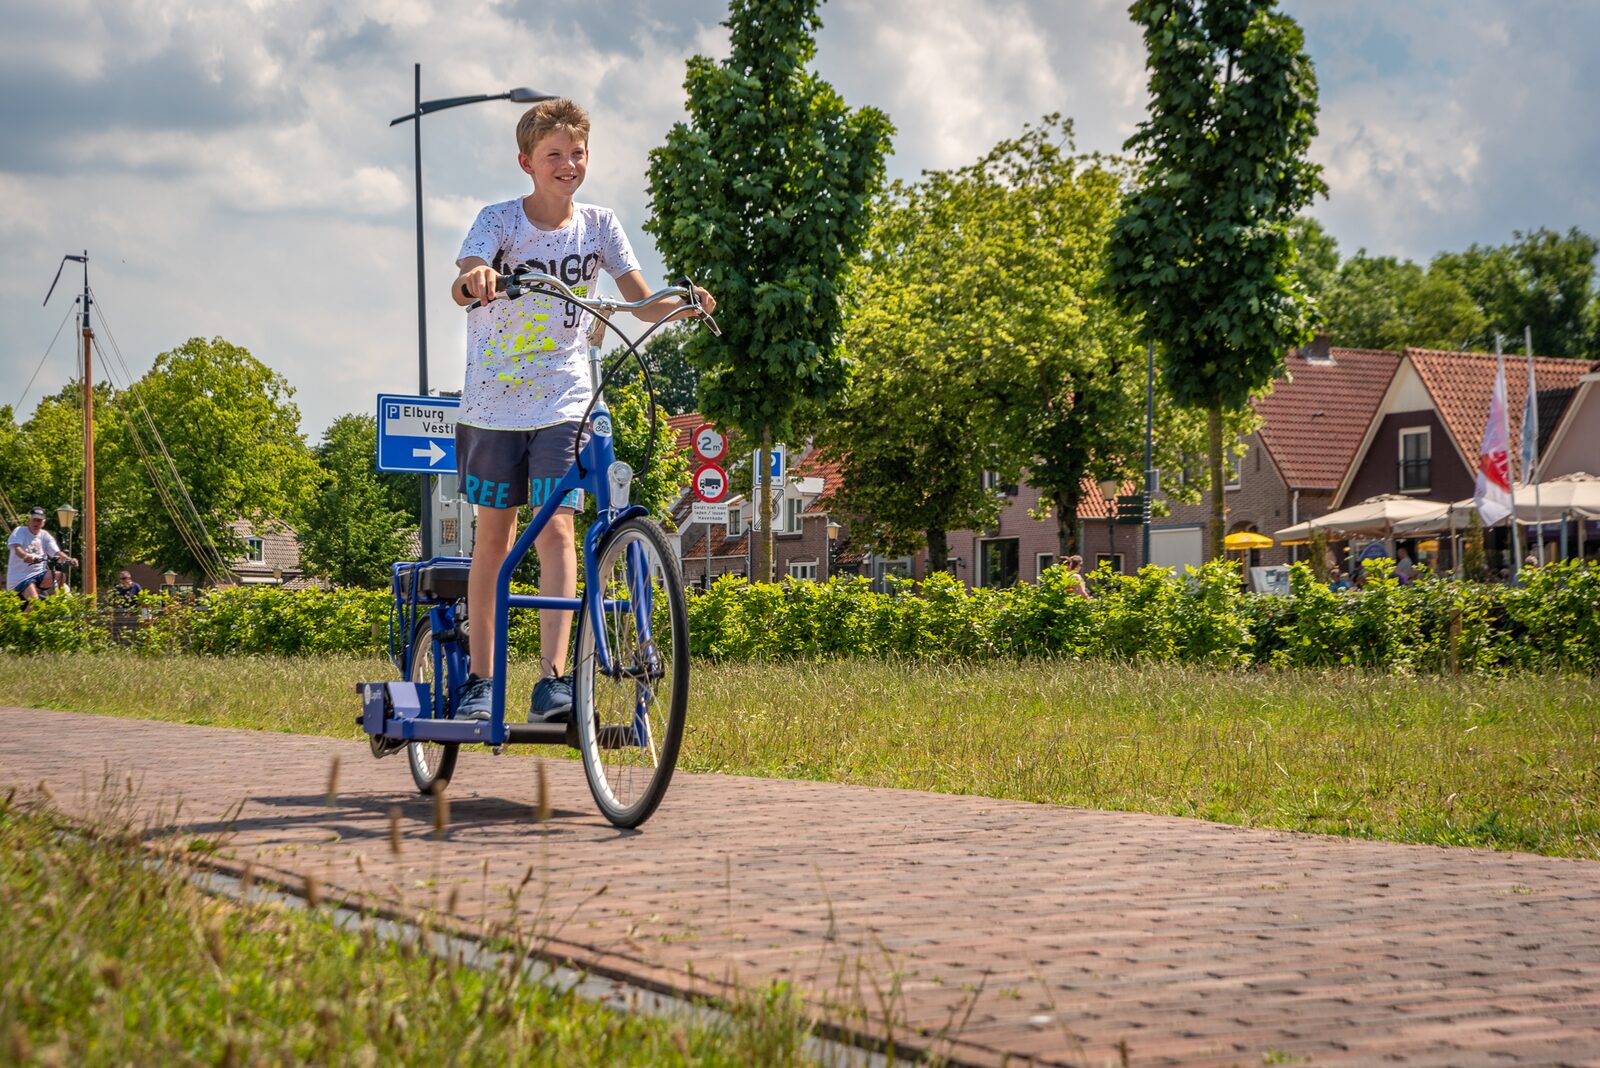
<point>432,763</point>
<point>630,702</point>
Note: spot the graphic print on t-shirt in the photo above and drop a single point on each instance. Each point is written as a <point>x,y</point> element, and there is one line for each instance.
<point>526,359</point>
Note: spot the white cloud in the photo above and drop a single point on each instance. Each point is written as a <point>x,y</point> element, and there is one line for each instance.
<point>231,169</point>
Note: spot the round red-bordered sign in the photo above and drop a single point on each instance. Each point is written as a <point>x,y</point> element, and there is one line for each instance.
<point>710,483</point>
<point>710,445</point>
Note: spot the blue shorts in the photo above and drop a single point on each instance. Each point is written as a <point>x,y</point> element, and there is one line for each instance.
<point>510,468</point>
<point>25,583</point>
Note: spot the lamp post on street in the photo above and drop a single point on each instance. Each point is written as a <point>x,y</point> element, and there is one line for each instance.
<point>65,515</point>
<point>1108,491</point>
<point>421,107</point>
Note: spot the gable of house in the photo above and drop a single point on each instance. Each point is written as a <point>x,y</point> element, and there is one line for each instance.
<point>1575,444</point>
<point>1316,418</point>
<point>1446,396</point>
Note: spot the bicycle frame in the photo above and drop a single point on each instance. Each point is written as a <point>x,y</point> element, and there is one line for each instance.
<point>421,716</point>
<point>609,482</point>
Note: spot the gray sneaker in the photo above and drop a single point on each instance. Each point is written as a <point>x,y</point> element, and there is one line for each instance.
<point>552,700</point>
<point>476,700</point>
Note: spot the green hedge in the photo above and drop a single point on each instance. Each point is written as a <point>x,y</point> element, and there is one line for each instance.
<point>1553,621</point>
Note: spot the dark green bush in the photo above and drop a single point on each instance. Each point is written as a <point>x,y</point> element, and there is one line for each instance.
<point>1202,617</point>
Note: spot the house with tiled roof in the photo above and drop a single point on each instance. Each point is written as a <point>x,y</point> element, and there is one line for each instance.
<point>1313,423</point>
<point>1423,440</point>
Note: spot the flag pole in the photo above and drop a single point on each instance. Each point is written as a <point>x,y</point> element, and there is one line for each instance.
<point>1530,455</point>
<point>1511,470</point>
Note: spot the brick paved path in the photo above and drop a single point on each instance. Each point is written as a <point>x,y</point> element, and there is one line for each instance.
<point>997,928</point>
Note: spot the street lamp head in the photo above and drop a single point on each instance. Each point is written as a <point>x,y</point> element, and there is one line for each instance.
<point>170,577</point>
<point>525,95</point>
<point>1108,488</point>
<point>65,515</point>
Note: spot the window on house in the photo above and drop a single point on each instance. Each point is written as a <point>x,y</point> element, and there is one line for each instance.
<point>1231,479</point>
<point>1114,559</point>
<point>1416,452</point>
<point>806,570</point>
<point>791,515</point>
<point>991,481</point>
<point>449,530</point>
<point>997,562</point>
<point>735,522</point>
<point>1045,561</point>
<point>253,550</point>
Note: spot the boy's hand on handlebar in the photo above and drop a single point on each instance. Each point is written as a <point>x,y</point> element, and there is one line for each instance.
<point>479,283</point>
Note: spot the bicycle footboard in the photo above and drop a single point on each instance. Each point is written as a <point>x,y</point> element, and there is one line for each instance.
<point>398,711</point>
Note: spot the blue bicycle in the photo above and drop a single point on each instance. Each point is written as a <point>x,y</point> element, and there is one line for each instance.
<point>631,651</point>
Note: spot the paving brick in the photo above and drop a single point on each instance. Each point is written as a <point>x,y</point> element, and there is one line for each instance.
<point>973,918</point>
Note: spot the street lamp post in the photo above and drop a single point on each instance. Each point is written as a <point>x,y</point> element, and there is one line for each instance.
<point>421,107</point>
<point>65,515</point>
<point>1108,491</point>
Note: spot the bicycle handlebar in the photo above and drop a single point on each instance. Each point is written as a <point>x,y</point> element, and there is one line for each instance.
<point>518,283</point>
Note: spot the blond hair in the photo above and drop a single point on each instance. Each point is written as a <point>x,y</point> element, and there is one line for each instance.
<point>548,117</point>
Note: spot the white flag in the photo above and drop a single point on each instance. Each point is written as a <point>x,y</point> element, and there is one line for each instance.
<point>1492,494</point>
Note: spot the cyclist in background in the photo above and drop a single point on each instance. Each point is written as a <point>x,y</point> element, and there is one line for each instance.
<point>29,550</point>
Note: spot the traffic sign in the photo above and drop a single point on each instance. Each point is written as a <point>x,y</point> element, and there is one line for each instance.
<point>779,458</point>
<point>1131,508</point>
<point>710,483</point>
<point>417,433</point>
<point>709,443</point>
<point>706,512</point>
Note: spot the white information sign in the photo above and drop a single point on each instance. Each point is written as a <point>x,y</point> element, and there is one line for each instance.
<point>707,512</point>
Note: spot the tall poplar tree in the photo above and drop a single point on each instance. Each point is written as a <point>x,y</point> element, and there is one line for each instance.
<point>1203,248</point>
<point>763,196</point>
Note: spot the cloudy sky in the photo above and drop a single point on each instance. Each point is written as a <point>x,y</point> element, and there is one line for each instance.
<point>230,168</point>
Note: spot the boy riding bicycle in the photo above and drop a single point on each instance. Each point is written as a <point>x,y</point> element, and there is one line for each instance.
<point>527,383</point>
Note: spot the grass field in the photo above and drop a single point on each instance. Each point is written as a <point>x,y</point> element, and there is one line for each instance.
<point>1509,763</point>
<point>106,959</point>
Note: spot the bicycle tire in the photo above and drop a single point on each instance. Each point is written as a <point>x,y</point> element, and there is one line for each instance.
<point>630,720</point>
<point>432,763</point>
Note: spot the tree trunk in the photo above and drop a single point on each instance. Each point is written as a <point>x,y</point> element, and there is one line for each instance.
<point>938,551</point>
<point>762,567</point>
<point>1218,494</point>
<point>1066,506</point>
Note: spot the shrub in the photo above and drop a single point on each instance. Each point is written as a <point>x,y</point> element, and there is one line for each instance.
<point>1200,617</point>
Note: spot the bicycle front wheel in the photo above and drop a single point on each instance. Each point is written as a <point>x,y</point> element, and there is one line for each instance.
<point>432,763</point>
<point>631,677</point>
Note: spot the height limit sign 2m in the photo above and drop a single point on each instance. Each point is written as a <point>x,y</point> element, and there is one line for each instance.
<point>710,480</point>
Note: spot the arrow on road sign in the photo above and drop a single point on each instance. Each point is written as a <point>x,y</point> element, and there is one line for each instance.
<point>432,452</point>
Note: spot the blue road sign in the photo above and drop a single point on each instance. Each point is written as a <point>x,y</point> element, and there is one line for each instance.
<point>777,462</point>
<point>417,433</point>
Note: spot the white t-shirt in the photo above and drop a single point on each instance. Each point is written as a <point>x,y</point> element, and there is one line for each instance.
<point>527,359</point>
<point>19,570</point>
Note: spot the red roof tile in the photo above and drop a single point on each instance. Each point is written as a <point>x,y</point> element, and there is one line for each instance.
<point>1315,419</point>
<point>682,427</point>
<point>721,544</point>
<point>1461,384</point>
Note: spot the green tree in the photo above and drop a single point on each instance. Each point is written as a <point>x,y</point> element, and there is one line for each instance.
<point>1543,280</point>
<point>231,428</point>
<point>920,423</point>
<point>763,196</point>
<point>1203,248</point>
<point>1316,258</point>
<point>1381,302</point>
<point>351,527</point>
<point>676,379</point>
